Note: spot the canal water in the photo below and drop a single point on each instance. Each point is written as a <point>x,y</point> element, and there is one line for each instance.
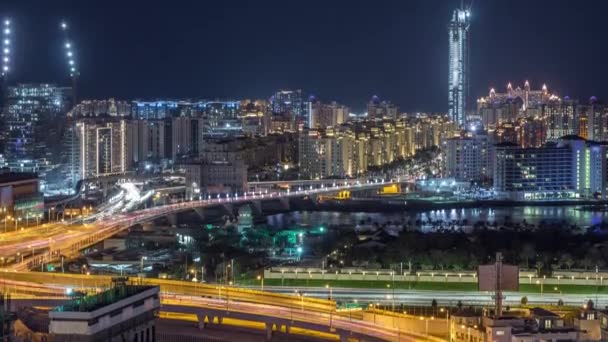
<point>573,215</point>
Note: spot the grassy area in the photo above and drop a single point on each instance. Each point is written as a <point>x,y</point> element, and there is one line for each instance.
<point>430,286</point>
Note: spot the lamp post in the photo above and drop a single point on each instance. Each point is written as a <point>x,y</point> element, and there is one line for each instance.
<point>6,219</point>
<point>447,320</point>
<point>392,296</point>
<point>330,291</point>
<point>141,264</point>
<point>261,278</point>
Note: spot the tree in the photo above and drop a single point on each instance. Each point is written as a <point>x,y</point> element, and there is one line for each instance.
<point>528,252</point>
<point>560,302</point>
<point>434,305</point>
<point>539,267</point>
<point>566,260</point>
<point>524,300</point>
<point>459,305</point>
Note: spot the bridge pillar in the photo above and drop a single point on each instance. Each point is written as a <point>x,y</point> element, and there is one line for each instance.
<point>229,208</point>
<point>257,207</point>
<point>285,203</point>
<point>172,218</point>
<point>268,331</point>
<point>344,336</point>
<point>200,212</point>
<point>201,321</point>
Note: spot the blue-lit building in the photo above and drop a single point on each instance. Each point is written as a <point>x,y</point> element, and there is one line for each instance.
<point>569,168</point>
<point>291,104</point>
<point>458,77</point>
<point>162,109</point>
<point>220,117</point>
<point>33,117</point>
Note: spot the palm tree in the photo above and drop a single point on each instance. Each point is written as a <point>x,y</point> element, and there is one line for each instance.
<point>566,260</point>
<point>528,252</point>
<point>539,267</point>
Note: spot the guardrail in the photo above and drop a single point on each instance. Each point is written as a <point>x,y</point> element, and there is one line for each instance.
<point>525,277</point>
<point>179,287</point>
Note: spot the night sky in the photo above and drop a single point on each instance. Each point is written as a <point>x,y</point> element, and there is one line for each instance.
<point>344,50</point>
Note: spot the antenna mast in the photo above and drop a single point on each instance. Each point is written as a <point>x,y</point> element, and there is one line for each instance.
<point>6,59</point>
<point>71,59</point>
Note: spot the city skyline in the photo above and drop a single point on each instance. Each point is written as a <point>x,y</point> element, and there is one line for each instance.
<point>351,63</point>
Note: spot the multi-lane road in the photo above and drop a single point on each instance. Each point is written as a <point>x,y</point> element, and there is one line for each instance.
<point>451,298</point>
<point>277,312</point>
<point>50,243</point>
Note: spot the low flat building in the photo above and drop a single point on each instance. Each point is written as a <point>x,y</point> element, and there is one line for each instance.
<point>215,178</point>
<point>20,195</point>
<point>535,325</point>
<point>568,169</point>
<point>123,313</point>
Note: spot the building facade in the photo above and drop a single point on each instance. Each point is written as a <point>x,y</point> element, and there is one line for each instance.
<point>101,147</point>
<point>569,168</point>
<point>468,158</point>
<point>33,118</point>
<point>215,178</point>
<point>122,313</point>
<point>458,73</point>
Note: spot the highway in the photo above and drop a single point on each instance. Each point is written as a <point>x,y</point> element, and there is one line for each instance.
<point>325,322</point>
<point>299,315</point>
<point>16,253</point>
<point>315,298</point>
<point>448,298</point>
<point>330,320</point>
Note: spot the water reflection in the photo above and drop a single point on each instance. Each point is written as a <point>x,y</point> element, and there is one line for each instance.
<point>532,215</point>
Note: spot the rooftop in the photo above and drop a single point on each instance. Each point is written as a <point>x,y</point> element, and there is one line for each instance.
<point>9,177</point>
<point>98,301</point>
<point>540,312</point>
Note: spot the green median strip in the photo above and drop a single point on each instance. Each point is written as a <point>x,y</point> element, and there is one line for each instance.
<point>429,286</point>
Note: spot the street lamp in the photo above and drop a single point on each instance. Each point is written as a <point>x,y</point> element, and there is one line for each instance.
<point>447,319</point>
<point>141,264</point>
<point>7,218</point>
<point>330,291</point>
<point>261,278</point>
<point>392,296</point>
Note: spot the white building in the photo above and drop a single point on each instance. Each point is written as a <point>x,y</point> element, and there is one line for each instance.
<point>122,313</point>
<point>468,158</point>
<point>458,77</point>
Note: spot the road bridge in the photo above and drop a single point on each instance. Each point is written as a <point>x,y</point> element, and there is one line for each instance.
<point>51,248</point>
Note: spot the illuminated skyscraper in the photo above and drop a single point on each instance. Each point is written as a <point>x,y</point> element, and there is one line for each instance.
<point>459,64</point>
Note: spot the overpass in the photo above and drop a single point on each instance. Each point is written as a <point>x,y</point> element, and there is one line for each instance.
<point>16,256</point>
<point>275,316</point>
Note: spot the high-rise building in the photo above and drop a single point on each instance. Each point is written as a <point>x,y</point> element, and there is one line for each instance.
<point>596,115</point>
<point>327,115</point>
<point>102,147</point>
<point>33,120</point>
<point>290,105</point>
<point>458,77</point>
<point>561,118</point>
<point>187,137</point>
<point>254,117</point>
<point>93,108</point>
<point>377,109</point>
<point>468,158</point>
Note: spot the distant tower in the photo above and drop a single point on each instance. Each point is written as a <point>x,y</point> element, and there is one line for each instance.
<point>6,60</point>
<point>458,77</point>
<point>71,59</point>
